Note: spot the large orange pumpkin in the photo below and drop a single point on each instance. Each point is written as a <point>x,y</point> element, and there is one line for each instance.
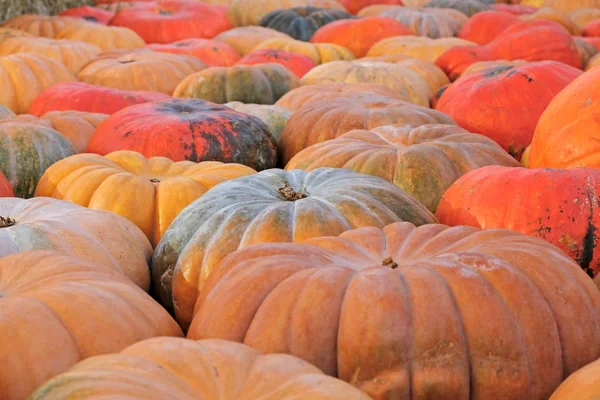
<point>424,161</point>
<point>177,368</point>
<point>584,384</point>
<point>560,206</point>
<point>105,37</point>
<point>488,102</point>
<point>245,38</point>
<point>403,312</point>
<point>485,26</point>
<point>271,206</point>
<point>149,192</point>
<point>423,48</point>
<point>56,310</point>
<point>213,53</point>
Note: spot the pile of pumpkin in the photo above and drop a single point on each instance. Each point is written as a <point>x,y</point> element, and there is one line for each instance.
<point>312,199</point>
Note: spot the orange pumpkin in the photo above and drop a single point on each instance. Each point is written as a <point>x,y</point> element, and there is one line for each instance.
<point>149,192</point>
<point>6,33</point>
<point>355,6</point>
<point>56,310</point>
<point>480,66</point>
<point>551,14</point>
<point>584,15</point>
<point>405,312</point>
<point>206,369</point>
<point>320,53</point>
<point>240,14</point>
<point>584,384</point>
<point>485,26</point>
<point>570,5</point>
<point>423,48</point>
<point>211,52</point>
<point>299,64</point>
<point>245,38</point>
<point>41,25</point>
<point>105,37</point>
<point>5,188</point>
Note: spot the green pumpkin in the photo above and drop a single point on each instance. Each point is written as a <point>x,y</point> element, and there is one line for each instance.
<point>26,151</point>
<point>274,117</point>
<point>302,22</point>
<point>467,7</point>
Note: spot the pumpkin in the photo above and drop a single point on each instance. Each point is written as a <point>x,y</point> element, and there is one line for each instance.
<point>355,6</point>
<point>105,37</point>
<point>241,15</point>
<point>211,52</point>
<point>424,160</point>
<point>485,26</point>
<point>320,53</point>
<point>423,48</point>
<point>6,33</point>
<point>327,119</point>
<point>260,84</point>
<point>185,129</point>
<point>582,16</point>
<point>296,98</point>
<point>394,76</point>
<point>504,92</point>
<point>592,28</point>
<point>587,51</point>
<point>89,14</point>
<point>426,22</point>
<point>565,208</point>
<point>73,54</point>
<point>467,7</point>
<point>275,117</point>
<point>583,384</point>
<point>148,71</point>
<point>374,10</point>
<point>6,113</point>
<point>554,15</point>
<point>301,23</point>
<point>567,133</point>
<point>412,312</point>
<point>149,192</point>
<point>592,40</point>
<point>571,5</point>
<point>26,150</point>
<point>167,21</point>
<point>43,329</point>
<point>5,188</point>
<point>207,369</point>
<point>271,206</point>
<point>592,62</point>
<point>515,9</point>
<point>26,75</point>
<point>358,35</point>
<point>539,40</point>
<point>80,96</point>
<point>245,39</point>
<point>483,65</point>
<point>299,64</point>
<point>41,25</point>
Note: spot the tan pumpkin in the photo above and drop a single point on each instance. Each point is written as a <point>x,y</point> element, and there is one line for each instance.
<point>320,53</point>
<point>394,76</point>
<point>294,99</point>
<point>24,76</point>
<point>571,5</point>
<point>428,22</point>
<point>424,161</point>
<point>582,16</point>
<point>105,37</point>
<point>423,48</point>
<point>56,310</point>
<point>150,192</point>
<point>246,38</point>
<point>241,13</point>
<point>73,54</point>
<point>275,117</point>
<point>148,71</point>
<point>41,25</point>
<point>554,15</point>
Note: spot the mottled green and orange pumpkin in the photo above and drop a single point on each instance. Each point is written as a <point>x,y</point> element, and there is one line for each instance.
<point>213,53</point>
<point>429,22</point>
<point>240,14</point>
<point>301,23</point>
<point>275,117</point>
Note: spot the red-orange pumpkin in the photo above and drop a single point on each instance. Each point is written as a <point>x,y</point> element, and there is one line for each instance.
<point>485,26</point>
<point>299,64</point>
<point>213,53</point>
<point>5,188</point>
<point>354,6</point>
<point>592,28</point>
<point>90,14</point>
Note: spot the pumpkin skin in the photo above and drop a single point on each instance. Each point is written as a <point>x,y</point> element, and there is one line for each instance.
<point>526,90</point>
<point>237,369</point>
<point>26,75</point>
<point>211,52</point>
<point>245,38</point>
<point>515,9</point>
<point>95,236</point>
<point>359,307</point>
<point>260,84</point>
<point>26,151</point>
<point>571,5</point>
<point>394,76</point>
<point>105,37</point>
<point>148,192</point>
<point>358,35</point>
<point>5,188</point>
<point>242,15</point>
<point>539,40</point>
<point>184,129</point>
<point>148,71</point>
<point>592,28</point>
<point>271,206</point>
<point>296,98</point>
<point>587,51</point>
<point>80,96</point>
<point>168,21</point>
<point>110,302</point>
<point>423,48</point>
<point>299,64</point>
<point>275,117</point>
<point>583,16</point>
<point>485,26</point>
<point>73,54</point>
<point>467,7</point>
<point>554,15</point>
<point>320,53</point>
<point>355,6</point>
<point>426,22</point>
<point>566,211</point>
<point>6,113</point>
<point>301,23</point>
<point>327,119</point>
<point>9,33</point>
<point>41,25</point>
<point>424,161</point>
<point>480,66</point>
<point>89,14</point>
<point>583,384</point>
<point>592,62</point>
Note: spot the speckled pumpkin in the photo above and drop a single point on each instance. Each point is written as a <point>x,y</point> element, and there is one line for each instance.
<point>275,117</point>
<point>424,161</point>
<point>105,37</point>
<point>423,48</point>
<point>240,14</point>
<point>301,23</point>
<point>245,38</point>
<point>260,84</point>
<point>426,22</point>
<point>320,53</point>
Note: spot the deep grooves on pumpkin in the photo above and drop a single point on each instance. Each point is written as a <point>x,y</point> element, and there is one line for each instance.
<point>6,222</point>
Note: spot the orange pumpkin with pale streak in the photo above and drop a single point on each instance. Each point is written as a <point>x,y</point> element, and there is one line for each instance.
<point>105,37</point>
<point>423,48</point>
<point>246,38</point>
<point>150,192</point>
<point>320,53</point>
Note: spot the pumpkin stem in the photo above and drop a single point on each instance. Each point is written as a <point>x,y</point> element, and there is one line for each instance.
<point>290,194</point>
<point>389,262</point>
<point>5,222</point>
<point>154,180</point>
